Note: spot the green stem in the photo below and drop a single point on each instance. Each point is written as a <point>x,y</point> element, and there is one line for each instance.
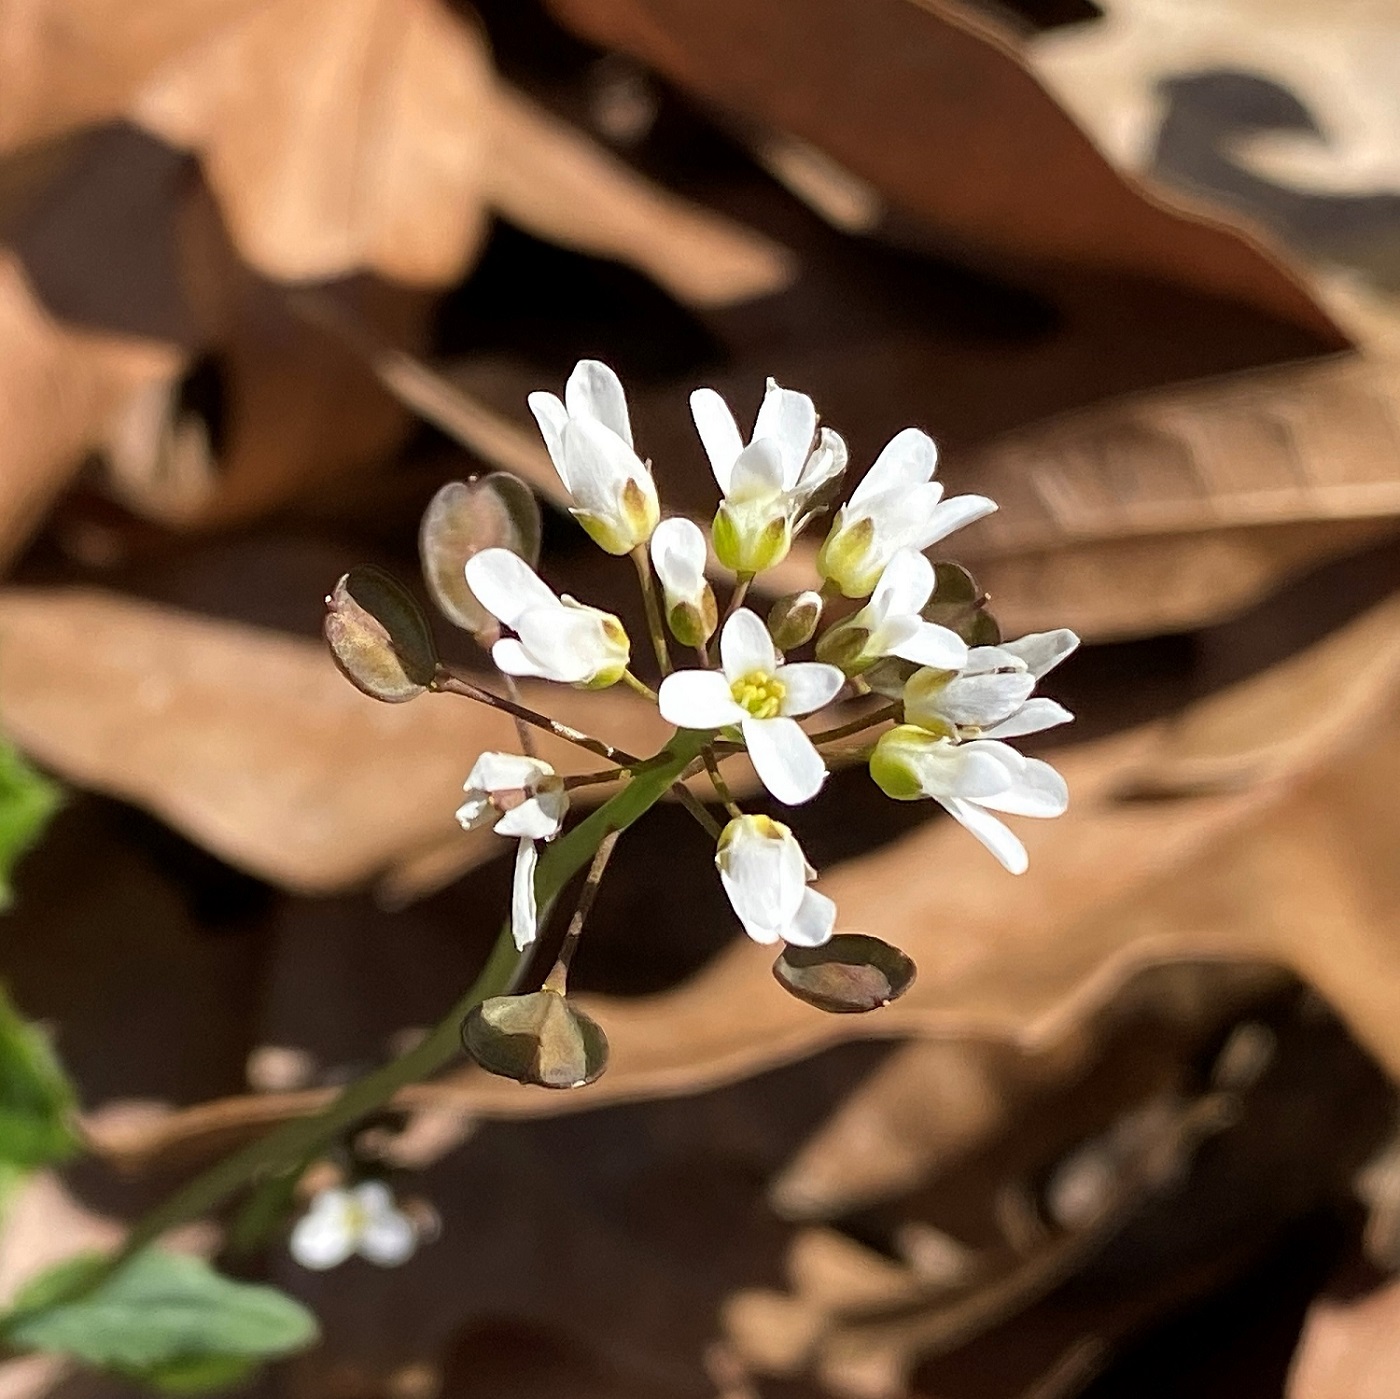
<point>295,1141</point>
<point>655,625</point>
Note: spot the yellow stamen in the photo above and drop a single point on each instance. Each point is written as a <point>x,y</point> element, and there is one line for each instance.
<point>759,693</point>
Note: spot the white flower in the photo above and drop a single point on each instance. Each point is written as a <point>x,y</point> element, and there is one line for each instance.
<point>767,484</point>
<point>990,696</point>
<point>890,624</point>
<point>898,505</point>
<point>589,437</point>
<point>765,874</point>
<point>362,1220</point>
<point>531,801</point>
<point>970,780</point>
<point>678,555</point>
<point>558,638</point>
<point>526,793</point>
<point>762,697</point>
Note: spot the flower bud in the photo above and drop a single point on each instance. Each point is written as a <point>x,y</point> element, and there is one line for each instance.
<point>678,555</point>
<point>496,512</point>
<point>379,636</point>
<point>844,646</point>
<point>793,620</point>
<point>959,604</point>
<point>847,559</point>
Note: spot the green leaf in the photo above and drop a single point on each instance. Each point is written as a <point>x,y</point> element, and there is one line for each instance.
<point>164,1319</point>
<point>27,800</point>
<point>36,1102</point>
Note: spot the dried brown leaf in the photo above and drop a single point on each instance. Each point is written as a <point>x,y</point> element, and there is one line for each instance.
<point>1037,190</point>
<point>251,742</point>
<point>1165,510</point>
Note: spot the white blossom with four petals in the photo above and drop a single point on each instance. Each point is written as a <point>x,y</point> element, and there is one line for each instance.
<point>555,638</point>
<point>897,505</point>
<point>530,800</point>
<point>891,624</point>
<point>971,781</point>
<point>589,438</point>
<point>768,483</point>
<point>765,874</point>
<point>764,698</point>
<point>363,1219</point>
<point>990,696</point>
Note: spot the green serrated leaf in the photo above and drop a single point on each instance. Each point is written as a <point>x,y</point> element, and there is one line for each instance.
<point>27,800</point>
<point>36,1101</point>
<point>166,1319</point>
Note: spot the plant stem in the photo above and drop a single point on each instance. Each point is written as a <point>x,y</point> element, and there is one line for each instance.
<point>447,682</point>
<point>522,729</point>
<point>558,978</point>
<point>855,726</point>
<point>717,781</point>
<point>655,625</point>
<point>640,686</point>
<point>592,779</point>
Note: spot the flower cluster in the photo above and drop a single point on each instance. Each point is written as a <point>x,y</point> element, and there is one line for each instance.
<point>952,704</point>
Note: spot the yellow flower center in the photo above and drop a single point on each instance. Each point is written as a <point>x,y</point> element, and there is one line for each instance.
<point>759,693</point>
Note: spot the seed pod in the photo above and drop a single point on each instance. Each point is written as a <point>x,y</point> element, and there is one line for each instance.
<point>379,636</point>
<point>496,512</point>
<point>540,1038</point>
<point>847,975</point>
<point>959,604</point>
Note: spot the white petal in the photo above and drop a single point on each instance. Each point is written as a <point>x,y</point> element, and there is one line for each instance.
<point>952,515</point>
<point>388,1239</point>
<point>475,811</point>
<point>719,433</point>
<point>511,657</point>
<point>1040,791</point>
<point>322,1237</point>
<point>530,820</point>
<point>909,459</point>
<point>494,772</point>
<point>698,699</point>
<point>566,643</point>
<point>985,658</point>
<point>551,415</point>
<point>976,770</point>
<point>979,700</point>
<point>757,473</point>
<point>789,419</point>
<point>932,645</point>
<point>809,686</point>
<point>678,554</point>
<point>1042,651</point>
<point>825,464</point>
<point>784,758</point>
<point>524,914</point>
<point>600,464</point>
<point>814,921</point>
<point>1033,716</point>
<point>764,876</point>
<point>746,647</point>
<point>904,587</point>
<point>595,392</point>
<point>994,834</point>
<point>505,585</point>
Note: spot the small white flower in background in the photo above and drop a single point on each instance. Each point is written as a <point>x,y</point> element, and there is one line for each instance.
<point>589,438</point>
<point>765,874</point>
<point>890,624</point>
<point>898,505</point>
<point>990,696</point>
<point>768,483</point>
<point>678,555</point>
<point>361,1220</point>
<point>530,800</point>
<point>755,691</point>
<point>555,638</point>
<point>971,781</point>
